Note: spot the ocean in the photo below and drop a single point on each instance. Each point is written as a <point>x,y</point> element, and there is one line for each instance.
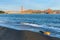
<point>32,22</point>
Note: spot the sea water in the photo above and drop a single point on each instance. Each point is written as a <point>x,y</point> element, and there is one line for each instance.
<point>38,22</point>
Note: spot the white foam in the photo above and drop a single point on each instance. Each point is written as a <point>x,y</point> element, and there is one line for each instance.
<point>30,24</point>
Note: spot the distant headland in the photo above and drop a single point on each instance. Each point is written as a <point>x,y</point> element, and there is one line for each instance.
<point>1,12</point>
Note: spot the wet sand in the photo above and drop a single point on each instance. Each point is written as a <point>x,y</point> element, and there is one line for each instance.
<point>9,34</point>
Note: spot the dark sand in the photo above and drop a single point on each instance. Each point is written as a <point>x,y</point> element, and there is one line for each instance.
<point>9,34</point>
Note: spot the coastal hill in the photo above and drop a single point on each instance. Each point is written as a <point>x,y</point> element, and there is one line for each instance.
<point>2,12</point>
<point>30,11</point>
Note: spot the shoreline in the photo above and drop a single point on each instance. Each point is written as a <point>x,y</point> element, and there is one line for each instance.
<point>10,34</point>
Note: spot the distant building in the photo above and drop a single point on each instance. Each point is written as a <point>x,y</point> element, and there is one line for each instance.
<point>57,11</point>
<point>49,11</point>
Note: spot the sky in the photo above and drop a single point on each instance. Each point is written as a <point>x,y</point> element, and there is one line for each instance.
<point>29,4</point>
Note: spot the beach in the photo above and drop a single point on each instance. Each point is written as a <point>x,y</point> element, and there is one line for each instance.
<point>10,34</point>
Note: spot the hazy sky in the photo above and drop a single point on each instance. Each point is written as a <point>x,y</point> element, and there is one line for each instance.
<point>29,4</point>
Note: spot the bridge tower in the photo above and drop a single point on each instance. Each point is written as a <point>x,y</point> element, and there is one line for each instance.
<point>22,7</point>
